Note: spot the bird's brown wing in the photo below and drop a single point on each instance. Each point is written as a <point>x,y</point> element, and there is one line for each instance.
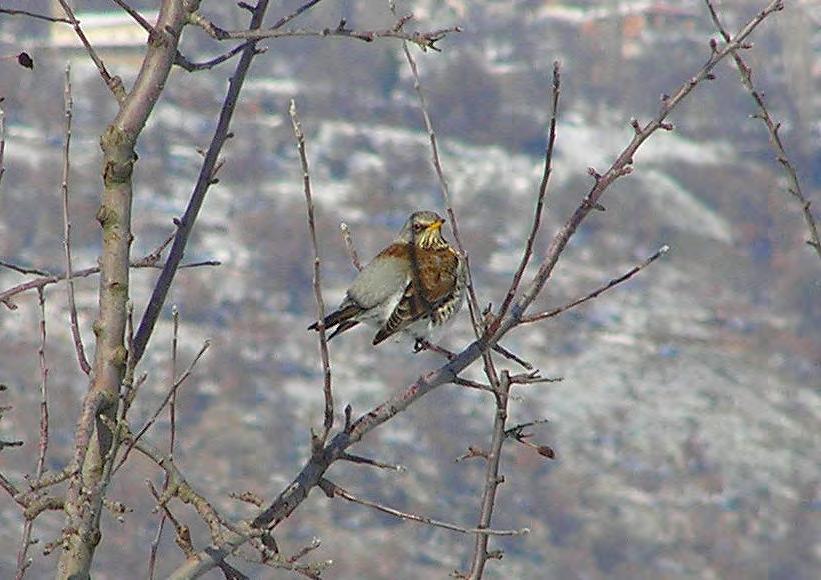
<point>433,283</point>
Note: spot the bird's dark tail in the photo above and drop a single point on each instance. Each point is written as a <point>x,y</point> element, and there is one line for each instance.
<point>341,319</point>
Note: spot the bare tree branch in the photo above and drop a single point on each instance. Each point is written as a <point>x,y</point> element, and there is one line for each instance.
<point>45,17</point>
<point>351,249</point>
<point>372,462</point>
<point>172,416</point>
<point>179,59</point>
<point>775,139</point>
<point>170,395</point>
<point>115,83</point>
<point>84,499</point>
<point>492,479</point>
<point>332,490</point>
<point>424,40</point>
<point>148,261</point>
<point>473,302</point>
<point>328,424</point>
<point>23,561</point>
<point>204,181</point>
<point>72,306</point>
<point>42,448</point>
<point>2,142</point>
<point>540,198</point>
<point>23,269</point>
<point>600,290</point>
<point>190,66</point>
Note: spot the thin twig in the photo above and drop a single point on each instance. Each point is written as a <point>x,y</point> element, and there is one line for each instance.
<point>171,393</point>
<point>72,305</point>
<point>48,279</point>
<point>2,142</point>
<point>425,344</point>
<point>299,11</point>
<point>114,84</point>
<point>533,378</point>
<point>204,182</point>
<point>473,302</point>
<point>155,543</point>
<point>349,246</point>
<point>600,290</point>
<point>191,66</point>
<point>775,139</point>
<point>472,384</point>
<point>179,59</point>
<point>512,356</point>
<point>492,479</point>
<point>424,40</point>
<point>41,353</point>
<point>147,26</point>
<point>187,494</point>
<point>540,198</point>
<point>172,408</point>
<point>623,166</point>
<point>23,561</point>
<point>24,269</point>
<point>373,462</point>
<point>14,12</point>
<point>320,303</point>
<point>333,490</point>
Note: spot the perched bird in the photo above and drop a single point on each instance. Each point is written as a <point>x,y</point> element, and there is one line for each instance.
<point>414,285</point>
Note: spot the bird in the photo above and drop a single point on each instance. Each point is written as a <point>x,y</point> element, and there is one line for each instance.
<point>415,285</point>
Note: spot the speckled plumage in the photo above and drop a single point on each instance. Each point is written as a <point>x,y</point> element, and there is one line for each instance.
<point>415,285</point>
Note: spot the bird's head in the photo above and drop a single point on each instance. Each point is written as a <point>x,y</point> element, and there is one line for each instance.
<point>424,229</point>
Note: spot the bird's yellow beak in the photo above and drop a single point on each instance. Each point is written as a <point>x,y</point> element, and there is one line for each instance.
<point>437,225</point>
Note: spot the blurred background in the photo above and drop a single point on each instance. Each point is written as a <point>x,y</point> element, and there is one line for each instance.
<point>690,411</point>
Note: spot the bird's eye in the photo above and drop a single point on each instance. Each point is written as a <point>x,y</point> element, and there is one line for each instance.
<point>418,227</point>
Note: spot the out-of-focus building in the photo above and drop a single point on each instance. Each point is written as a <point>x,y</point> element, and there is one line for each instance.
<point>116,37</point>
